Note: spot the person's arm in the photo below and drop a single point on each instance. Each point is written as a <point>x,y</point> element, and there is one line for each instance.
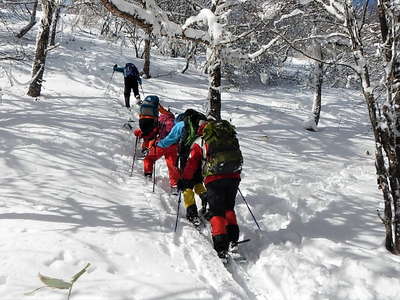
<point>172,137</point>
<point>164,111</point>
<point>193,163</point>
<point>118,69</point>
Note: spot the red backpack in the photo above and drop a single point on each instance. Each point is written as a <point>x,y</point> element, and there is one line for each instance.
<point>165,124</point>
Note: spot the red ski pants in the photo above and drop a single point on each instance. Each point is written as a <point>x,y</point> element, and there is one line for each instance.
<point>170,154</point>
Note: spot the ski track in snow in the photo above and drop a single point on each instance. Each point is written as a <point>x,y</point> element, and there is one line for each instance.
<point>67,197</point>
<point>196,247</point>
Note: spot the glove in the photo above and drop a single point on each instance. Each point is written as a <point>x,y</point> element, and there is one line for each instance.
<point>145,151</point>
<point>115,67</point>
<point>139,80</point>
<point>137,132</point>
<point>183,184</point>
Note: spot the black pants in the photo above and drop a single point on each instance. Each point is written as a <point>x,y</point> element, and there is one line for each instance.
<point>221,195</point>
<point>130,84</point>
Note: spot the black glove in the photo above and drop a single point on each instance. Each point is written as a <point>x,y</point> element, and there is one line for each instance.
<point>183,184</point>
<point>115,67</point>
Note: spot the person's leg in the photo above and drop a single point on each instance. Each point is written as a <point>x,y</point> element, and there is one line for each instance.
<point>171,156</point>
<point>217,213</point>
<point>200,190</point>
<point>135,88</point>
<point>127,92</point>
<point>232,228</point>
<point>148,163</point>
<point>190,204</point>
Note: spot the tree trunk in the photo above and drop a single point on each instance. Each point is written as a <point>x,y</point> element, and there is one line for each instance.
<point>384,119</point>
<point>146,64</point>
<point>318,79</point>
<point>191,49</point>
<point>31,23</point>
<point>42,40</point>
<point>388,21</point>
<point>214,89</point>
<point>54,26</point>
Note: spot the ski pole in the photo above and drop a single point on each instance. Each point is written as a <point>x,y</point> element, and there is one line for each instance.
<point>134,156</point>
<point>244,200</point>
<point>154,175</point>
<point>109,82</point>
<point>177,211</point>
<point>142,91</point>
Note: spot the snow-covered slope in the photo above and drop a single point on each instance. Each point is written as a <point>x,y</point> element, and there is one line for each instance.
<point>66,197</point>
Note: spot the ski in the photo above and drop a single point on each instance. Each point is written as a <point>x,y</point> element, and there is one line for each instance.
<point>243,241</point>
<point>234,252</point>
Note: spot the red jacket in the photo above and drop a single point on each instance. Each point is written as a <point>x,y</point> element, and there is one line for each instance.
<point>194,162</point>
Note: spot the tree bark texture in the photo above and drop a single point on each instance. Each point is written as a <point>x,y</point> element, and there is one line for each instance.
<point>54,26</point>
<point>318,78</point>
<point>384,119</point>
<point>389,24</point>
<point>42,40</point>
<point>214,89</point>
<point>147,47</point>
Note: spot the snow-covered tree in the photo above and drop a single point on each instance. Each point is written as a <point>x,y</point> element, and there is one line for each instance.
<point>42,41</point>
<point>209,27</point>
<point>384,113</point>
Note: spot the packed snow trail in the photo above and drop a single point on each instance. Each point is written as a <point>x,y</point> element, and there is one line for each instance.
<point>66,197</point>
<point>86,208</point>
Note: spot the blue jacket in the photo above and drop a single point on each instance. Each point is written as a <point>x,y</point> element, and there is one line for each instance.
<point>173,136</point>
<point>122,70</point>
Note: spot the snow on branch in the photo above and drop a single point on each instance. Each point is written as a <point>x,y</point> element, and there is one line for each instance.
<point>335,8</point>
<point>154,19</point>
<point>19,2</point>
<point>263,49</point>
<point>208,18</point>
<point>292,45</point>
<point>294,13</point>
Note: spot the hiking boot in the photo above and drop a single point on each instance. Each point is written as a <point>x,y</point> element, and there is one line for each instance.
<point>138,101</point>
<point>145,151</point>
<point>195,220</point>
<point>223,255</point>
<point>174,190</point>
<point>233,247</point>
<point>192,216</point>
<point>191,211</point>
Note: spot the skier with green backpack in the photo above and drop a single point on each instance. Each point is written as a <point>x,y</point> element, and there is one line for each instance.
<point>216,152</point>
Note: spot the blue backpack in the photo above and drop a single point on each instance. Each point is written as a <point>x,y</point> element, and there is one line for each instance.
<point>131,71</point>
<point>149,106</point>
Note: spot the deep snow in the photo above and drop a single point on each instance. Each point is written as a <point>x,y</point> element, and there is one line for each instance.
<point>66,197</point>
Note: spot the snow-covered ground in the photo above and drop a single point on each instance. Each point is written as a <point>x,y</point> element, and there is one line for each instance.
<point>66,197</point>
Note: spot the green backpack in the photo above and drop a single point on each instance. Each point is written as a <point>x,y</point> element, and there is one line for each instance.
<point>223,150</point>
